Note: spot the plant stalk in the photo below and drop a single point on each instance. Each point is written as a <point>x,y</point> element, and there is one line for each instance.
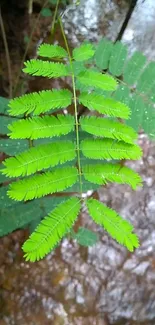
<point>75,106</point>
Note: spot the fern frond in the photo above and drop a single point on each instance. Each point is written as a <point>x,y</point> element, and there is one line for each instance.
<point>41,127</point>
<point>51,230</point>
<point>117,58</point>
<point>46,69</point>
<point>43,184</point>
<point>103,127</point>
<point>102,174</point>
<point>38,158</point>
<point>97,80</point>
<point>115,225</point>
<point>41,102</point>
<point>52,51</point>
<point>104,105</point>
<point>84,52</point>
<point>109,149</point>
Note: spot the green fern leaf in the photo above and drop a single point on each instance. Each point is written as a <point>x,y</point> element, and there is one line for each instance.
<point>41,127</point>
<point>115,225</point>
<point>38,158</point>
<point>102,174</point>
<point>117,59</point>
<point>40,102</point>
<point>51,230</point>
<point>104,105</point>
<point>133,68</point>
<point>103,127</point>
<point>103,53</point>
<point>41,185</point>
<point>84,52</point>
<point>52,51</point>
<point>97,80</point>
<point>109,149</point>
<point>46,69</point>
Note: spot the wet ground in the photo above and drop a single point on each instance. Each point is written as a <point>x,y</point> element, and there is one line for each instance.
<point>102,285</point>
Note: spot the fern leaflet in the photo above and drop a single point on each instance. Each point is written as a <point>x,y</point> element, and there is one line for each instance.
<point>104,105</point>
<point>84,52</point>
<point>97,80</point>
<point>102,174</point>
<point>41,102</point>
<point>103,127</point>
<point>46,69</point>
<point>51,230</point>
<point>41,127</point>
<point>41,185</point>
<point>109,149</point>
<point>38,158</point>
<point>52,51</point>
<point>115,225</point>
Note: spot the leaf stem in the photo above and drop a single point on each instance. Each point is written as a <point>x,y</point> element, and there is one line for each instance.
<point>75,107</point>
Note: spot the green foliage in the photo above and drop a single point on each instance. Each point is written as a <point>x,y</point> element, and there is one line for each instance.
<point>41,127</point>
<point>43,184</point>
<point>118,228</point>
<point>104,173</point>
<point>137,82</point>
<point>97,149</point>
<point>69,154</point>
<point>52,51</point>
<point>41,102</point>
<point>108,128</point>
<point>84,52</point>
<point>85,237</point>
<point>51,230</point>
<point>46,69</point>
<point>98,80</point>
<point>104,105</point>
<point>38,158</point>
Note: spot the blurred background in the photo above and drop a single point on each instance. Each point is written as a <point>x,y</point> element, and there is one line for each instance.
<point>75,285</point>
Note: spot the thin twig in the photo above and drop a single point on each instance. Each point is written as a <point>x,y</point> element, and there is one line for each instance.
<point>7,54</point>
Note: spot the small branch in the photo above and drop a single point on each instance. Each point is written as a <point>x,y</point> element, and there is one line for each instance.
<point>7,54</point>
<point>75,108</point>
